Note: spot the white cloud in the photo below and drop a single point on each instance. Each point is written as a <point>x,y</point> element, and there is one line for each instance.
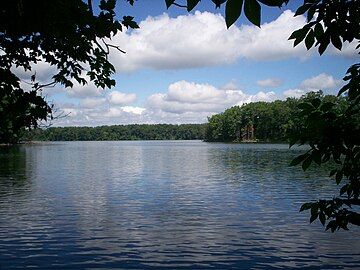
<point>134,110</point>
<point>92,102</point>
<point>119,98</point>
<point>323,81</point>
<point>296,93</point>
<point>201,39</point>
<point>83,91</point>
<point>186,96</point>
<point>348,50</point>
<point>271,82</point>
<point>43,72</point>
<point>231,85</point>
<point>184,102</point>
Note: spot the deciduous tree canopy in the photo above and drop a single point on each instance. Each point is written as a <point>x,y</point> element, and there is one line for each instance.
<point>120,132</point>
<point>67,35</point>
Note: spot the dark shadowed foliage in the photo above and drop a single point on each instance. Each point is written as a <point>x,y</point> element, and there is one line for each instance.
<point>67,35</point>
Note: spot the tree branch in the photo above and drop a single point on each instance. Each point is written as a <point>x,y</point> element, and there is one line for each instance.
<point>178,5</point>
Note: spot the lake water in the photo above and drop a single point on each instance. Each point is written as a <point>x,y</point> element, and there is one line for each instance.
<point>164,205</point>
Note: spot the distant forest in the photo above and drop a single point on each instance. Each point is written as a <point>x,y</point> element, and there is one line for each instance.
<point>263,121</point>
<point>120,132</point>
<point>253,122</point>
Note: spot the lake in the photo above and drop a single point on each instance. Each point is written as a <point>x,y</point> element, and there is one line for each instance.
<point>164,205</point>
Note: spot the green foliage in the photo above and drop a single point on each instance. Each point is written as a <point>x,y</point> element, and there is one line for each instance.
<point>333,134</point>
<point>335,21</point>
<point>272,121</point>
<point>65,34</point>
<point>120,132</point>
<point>18,109</point>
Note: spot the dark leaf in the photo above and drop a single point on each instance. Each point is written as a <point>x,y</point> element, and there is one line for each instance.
<point>332,172</point>
<point>310,14</point>
<point>344,189</point>
<point>218,3</point>
<point>305,206</point>
<point>322,218</point>
<point>306,163</point>
<point>316,102</point>
<point>272,3</point>
<point>326,106</point>
<point>310,39</point>
<point>323,45</point>
<point>232,11</point>
<point>338,177</point>
<point>298,159</point>
<point>336,41</point>
<point>169,3</point>
<point>313,217</point>
<point>252,11</point>
<point>191,4</point>
<point>302,9</point>
<point>306,106</point>
<point>316,156</point>
<point>319,31</point>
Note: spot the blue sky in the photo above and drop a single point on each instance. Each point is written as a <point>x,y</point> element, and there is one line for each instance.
<point>181,67</point>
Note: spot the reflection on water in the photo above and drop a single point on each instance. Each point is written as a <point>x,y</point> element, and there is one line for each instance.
<point>163,205</point>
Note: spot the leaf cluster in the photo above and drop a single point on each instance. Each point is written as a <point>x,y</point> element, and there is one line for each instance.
<point>234,8</point>
<point>334,136</point>
<point>68,35</point>
<point>328,21</point>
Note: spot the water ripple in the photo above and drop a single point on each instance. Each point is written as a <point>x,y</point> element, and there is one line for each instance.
<point>163,205</point>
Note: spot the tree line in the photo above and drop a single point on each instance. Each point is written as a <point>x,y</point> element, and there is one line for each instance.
<point>268,121</point>
<point>119,132</point>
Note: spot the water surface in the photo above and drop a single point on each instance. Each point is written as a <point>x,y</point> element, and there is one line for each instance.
<point>163,205</point>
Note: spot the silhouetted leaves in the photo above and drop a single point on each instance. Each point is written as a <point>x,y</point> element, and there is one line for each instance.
<point>273,3</point>
<point>66,34</point>
<point>305,206</point>
<point>310,39</point>
<point>169,3</point>
<point>191,4</point>
<point>232,11</point>
<point>218,3</point>
<point>128,21</point>
<point>299,159</point>
<point>252,11</point>
<point>334,21</point>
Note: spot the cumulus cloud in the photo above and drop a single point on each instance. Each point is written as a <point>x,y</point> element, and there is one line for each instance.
<point>201,39</point>
<point>43,72</point>
<point>102,115</point>
<point>323,81</point>
<point>295,93</point>
<point>271,82</point>
<point>133,110</point>
<point>84,91</point>
<point>183,102</point>
<point>231,85</point>
<point>92,102</point>
<point>186,96</point>
<point>119,98</point>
